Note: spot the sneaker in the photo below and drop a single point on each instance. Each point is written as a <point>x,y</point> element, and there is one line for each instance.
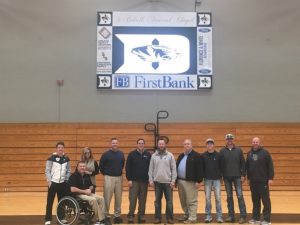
<point>64,221</point>
<point>220,220</point>
<point>48,222</point>
<point>118,220</point>
<point>189,221</point>
<point>230,220</point>
<point>207,220</point>
<point>264,222</point>
<point>242,220</point>
<point>253,221</point>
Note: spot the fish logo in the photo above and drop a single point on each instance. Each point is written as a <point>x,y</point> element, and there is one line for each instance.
<point>154,54</point>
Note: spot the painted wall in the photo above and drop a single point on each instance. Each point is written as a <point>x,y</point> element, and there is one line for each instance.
<point>256,64</point>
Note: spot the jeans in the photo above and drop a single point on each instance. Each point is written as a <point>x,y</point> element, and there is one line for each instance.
<point>160,189</point>
<point>216,186</point>
<point>236,181</point>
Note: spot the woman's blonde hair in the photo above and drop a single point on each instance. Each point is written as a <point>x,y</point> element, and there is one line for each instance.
<point>84,150</point>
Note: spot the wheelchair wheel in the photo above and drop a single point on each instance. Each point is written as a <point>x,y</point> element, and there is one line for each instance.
<point>67,211</point>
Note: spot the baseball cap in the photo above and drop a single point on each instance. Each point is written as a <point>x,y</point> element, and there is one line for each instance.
<point>210,140</point>
<point>229,136</point>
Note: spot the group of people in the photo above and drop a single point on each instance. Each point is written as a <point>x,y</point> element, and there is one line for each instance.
<point>162,172</point>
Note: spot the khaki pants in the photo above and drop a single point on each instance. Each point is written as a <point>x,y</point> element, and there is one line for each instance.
<point>188,195</point>
<point>138,191</point>
<point>113,185</point>
<point>97,203</point>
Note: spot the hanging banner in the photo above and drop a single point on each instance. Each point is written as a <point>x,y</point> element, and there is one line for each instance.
<point>154,50</point>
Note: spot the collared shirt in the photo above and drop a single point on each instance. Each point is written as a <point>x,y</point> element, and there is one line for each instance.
<point>181,170</point>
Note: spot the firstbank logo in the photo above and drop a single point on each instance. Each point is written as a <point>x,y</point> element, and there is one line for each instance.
<point>154,54</point>
<point>122,81</point>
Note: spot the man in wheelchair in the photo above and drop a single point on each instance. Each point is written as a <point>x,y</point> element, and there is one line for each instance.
<point>81,185</point>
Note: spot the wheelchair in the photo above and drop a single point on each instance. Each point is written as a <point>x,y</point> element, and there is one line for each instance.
<point>71,209</point>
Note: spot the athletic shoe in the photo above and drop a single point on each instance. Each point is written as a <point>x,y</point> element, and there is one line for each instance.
<point>220,220</point>
<point>207,220</point>
<point>253,221</point>
<point>265,222</point>
<point>189,221</point>
<point>48,222</point>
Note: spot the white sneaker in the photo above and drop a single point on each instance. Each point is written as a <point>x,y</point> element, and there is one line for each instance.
<point>48,223</point>
<point>253,221</point>
<point>265,222</point>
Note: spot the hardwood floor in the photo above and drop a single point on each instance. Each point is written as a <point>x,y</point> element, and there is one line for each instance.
<point>33,203</point>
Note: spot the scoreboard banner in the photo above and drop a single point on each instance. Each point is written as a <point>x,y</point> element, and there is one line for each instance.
<point>154,50</point>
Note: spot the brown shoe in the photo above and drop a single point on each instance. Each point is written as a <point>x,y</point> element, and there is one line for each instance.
<point>157,221</point>
<point>170,221</point>
<point>242,220</point>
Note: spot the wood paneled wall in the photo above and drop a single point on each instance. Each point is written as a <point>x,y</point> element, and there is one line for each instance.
<point>24,148</point>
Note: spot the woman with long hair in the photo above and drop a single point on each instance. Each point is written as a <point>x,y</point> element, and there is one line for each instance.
<point>92,167</point>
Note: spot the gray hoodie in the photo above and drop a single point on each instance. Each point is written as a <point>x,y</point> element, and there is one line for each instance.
<point>162,167</point>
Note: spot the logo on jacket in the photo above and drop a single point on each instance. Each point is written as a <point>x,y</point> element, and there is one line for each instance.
<point>255,157</point>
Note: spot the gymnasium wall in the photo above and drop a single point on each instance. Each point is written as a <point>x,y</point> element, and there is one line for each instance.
<point>256,52</point>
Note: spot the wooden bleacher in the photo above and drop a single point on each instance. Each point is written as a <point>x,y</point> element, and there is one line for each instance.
<point>24,148</point>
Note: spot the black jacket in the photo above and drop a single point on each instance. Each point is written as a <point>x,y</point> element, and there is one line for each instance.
<point>233,162</point>
<point>194,166</point>
<point>212,165</point>
<point>137,166</point>
<point>259,165</point>
<point>81,182</point>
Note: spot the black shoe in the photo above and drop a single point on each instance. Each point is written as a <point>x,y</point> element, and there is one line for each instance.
<point>141,219</point>
<point>157,221</point>
<point>230,220</point>
<point>130,220</point>
<point>118,220</point>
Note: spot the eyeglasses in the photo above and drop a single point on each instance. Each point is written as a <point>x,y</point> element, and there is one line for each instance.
<point>141,143</point>
<point>87,152</point>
